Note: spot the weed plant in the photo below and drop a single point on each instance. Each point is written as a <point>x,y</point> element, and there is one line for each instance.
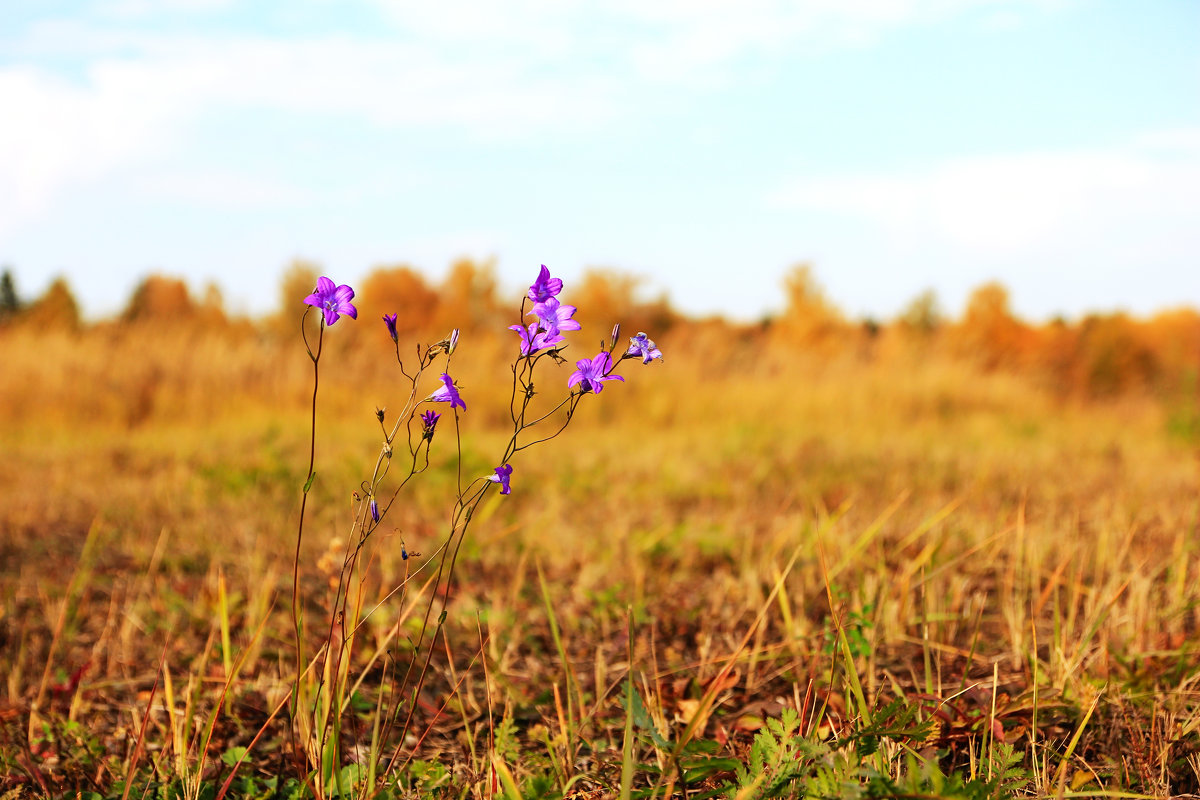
<point>330,689</point>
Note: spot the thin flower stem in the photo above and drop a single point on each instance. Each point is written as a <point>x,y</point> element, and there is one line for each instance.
<point>551,412</point>
<point>312,455</point>
<point>463,512</point>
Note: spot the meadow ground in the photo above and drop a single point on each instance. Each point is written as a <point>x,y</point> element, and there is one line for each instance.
<point>751,570</point>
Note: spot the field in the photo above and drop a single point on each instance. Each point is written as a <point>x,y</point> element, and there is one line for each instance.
<point>780,562</point>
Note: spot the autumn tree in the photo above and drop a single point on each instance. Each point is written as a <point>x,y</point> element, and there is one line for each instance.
<point>56,309</point>
<point>1174,337</point>
<point>923,316</point>
<point>298,281</point>
<point>399,290</point>
<point>160,298</point>
<point>989,332</point>
<point>467,298</point>
<point>1112,357</point>
<point>809,319</point>
<point>607,296</point>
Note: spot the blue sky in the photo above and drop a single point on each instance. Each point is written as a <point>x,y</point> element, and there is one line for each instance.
<point>896,145</point>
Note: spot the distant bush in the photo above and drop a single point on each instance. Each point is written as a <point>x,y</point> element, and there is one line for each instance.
<point>56,309</point>
<point>159,297</point>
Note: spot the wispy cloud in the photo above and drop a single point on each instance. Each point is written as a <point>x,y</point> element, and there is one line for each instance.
<point>486,69</point>
<point>1010,203</point>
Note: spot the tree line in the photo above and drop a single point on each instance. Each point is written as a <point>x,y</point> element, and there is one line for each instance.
<point>1099,355</point>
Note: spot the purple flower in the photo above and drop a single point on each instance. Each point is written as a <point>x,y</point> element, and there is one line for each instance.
<point>374,510</point>
<point>532,340</point>
<point>453,342</point>
<point>429,419</point>
<point>390,321</point>
<point>643,347</point>
<point>502,476</point>
<point>544,287</point>
<point>553,316</point>
<point>592,373</point>
<point>333,300</point>
<point>448,393</point>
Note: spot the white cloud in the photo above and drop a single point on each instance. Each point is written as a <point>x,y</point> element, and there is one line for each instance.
<point>145,8</point>
<point>500,68</point>
<point>59,135</point>
<point>127,110</point>
<point>221,189</point>
<point>1014,203</point>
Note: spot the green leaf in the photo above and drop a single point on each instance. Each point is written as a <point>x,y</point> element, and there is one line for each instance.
<point>233,755</point>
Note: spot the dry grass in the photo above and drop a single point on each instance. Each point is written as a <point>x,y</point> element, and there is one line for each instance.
<point>728,526</point>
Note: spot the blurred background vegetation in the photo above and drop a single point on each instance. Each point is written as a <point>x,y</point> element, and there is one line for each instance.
<point>173,351</point>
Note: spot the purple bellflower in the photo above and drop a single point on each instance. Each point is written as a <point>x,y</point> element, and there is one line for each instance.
<point>533,340</point>
<point>591,373</point>
<point>333,300</point>
<point>448,393</point>
<point>643,347</point>
<point>390,321</point>
<point>429,419</point>
<point>502,476</point>
<point>544,287</point>
<point>374,510</point>
<point>553,316</point>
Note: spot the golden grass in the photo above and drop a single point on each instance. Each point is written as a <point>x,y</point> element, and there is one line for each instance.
<point>996,545</point>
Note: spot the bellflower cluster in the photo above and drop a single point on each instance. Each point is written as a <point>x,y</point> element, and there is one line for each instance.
<point>535,420</point>
<point>552,316</point>
<point>333,300</point>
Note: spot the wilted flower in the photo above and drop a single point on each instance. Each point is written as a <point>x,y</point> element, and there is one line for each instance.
<point>332,299</point>
<point>447,345</point>
<point>429,419</point>
<point>502,476</point>
<point>448,393</point>
<point>390,321</point>
<point>544,287</point>
<point>533,340</point>
<point>643,347</point>
<point>591,373</point>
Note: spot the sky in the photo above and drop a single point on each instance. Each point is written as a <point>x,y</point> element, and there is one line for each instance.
<point>705,145</point>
